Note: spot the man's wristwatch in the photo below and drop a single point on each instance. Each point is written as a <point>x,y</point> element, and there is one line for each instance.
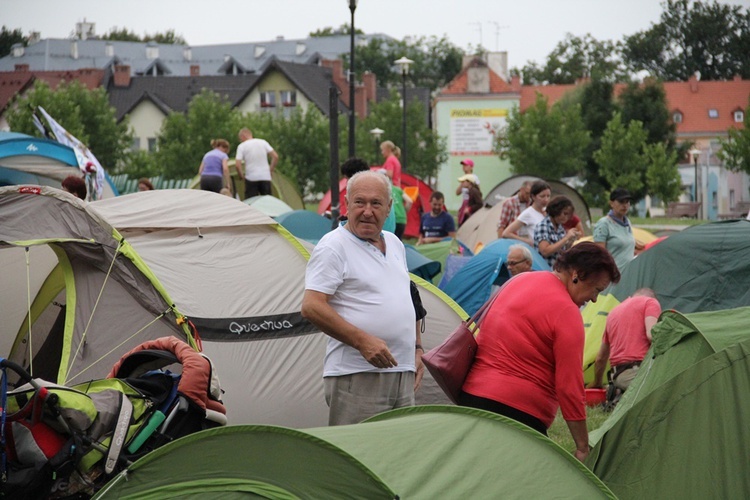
<point>419,346</point>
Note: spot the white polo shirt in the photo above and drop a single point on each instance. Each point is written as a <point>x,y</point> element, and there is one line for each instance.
<point>369,290</point>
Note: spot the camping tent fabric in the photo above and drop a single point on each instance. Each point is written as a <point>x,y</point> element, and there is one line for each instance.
<point>702,268</point>
<point>472,285</point>
<point>420,265</point>
<point>481,228</point>
<point>679,431</point>
<point>305,224</point>
<point>30,160</point>
<point>511,185</point>
<point>269,205</point>
<point>472,454</point>
<point>89,295</point>
<point>281,187</point>
<point>239,276</point>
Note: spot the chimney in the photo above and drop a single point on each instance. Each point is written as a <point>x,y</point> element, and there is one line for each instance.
<point>360,101</point>
<point>737,78</point>
<point>498,63</point>
<point>369,80</point>
<point>152,50</point>
<point>109,49</point>
<point>17,50</point>
<point>693,81</point>
<point>195,70</point>
<point>122,75</point>
<point>515,83</point>
<point>337,71</point>
<point>22,68</point>
<point>74,49</point>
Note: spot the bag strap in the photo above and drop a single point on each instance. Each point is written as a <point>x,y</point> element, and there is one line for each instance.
<point>478,317</point>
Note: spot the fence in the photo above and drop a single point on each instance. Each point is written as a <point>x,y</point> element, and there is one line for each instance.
<point>125,184</point>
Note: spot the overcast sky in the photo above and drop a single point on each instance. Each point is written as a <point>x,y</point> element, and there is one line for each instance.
<point>527,29</point>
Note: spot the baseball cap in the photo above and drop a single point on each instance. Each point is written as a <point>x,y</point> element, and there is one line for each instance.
<point>469,177</point>
<point>620,194</point>
<point>468,162</point>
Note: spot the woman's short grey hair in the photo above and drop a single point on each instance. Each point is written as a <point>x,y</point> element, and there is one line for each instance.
<point>524,251</point>
<point>372,175</point>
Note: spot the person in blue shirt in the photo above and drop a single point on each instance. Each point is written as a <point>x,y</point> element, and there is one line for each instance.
<point>437,224</point>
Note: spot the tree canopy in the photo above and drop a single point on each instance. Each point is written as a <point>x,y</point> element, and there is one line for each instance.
<point>735,149</point>
<point>8,38</point>
<point>706,37</point>
<point>436,61</point>
<point>344,29</point>
<point>126,35</point>
<point>543,141</point>
<point>574,58</point>
<point>84,113</point>
<point>621,157</point>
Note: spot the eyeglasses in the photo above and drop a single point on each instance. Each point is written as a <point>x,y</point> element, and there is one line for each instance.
<point>514,262</point>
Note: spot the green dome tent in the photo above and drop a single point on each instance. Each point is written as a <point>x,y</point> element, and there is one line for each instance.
<point>703,268</point>
<point>680,430</point>
<point>418,452</point>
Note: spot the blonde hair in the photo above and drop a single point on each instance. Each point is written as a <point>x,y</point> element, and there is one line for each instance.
<point>219,143</point>
<point>392,148</point>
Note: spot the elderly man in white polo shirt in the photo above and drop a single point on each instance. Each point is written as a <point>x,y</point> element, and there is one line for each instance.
<point>357,291</point>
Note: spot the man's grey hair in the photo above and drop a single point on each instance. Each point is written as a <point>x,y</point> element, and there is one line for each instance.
<point>524,251</point>
<point>371,175</point>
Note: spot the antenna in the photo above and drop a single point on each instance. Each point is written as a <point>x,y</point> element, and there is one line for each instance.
<point>497,33</point>
<point>478,24</point>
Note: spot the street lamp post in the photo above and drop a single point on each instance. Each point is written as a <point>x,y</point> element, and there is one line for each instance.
<point>377,133</point>
<point>352,8</point>
<point>696,154</point>
<point>403,65</point>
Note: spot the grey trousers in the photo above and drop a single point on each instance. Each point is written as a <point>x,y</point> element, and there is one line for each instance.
<point>353,398</point>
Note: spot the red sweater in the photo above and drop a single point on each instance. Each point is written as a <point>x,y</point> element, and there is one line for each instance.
<point>530,353</point>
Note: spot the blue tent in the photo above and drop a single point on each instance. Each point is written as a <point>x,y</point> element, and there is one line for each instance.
<point>305,225</point>
<point>30,160</point>
<point>420,265</point>
<point>471,286</point>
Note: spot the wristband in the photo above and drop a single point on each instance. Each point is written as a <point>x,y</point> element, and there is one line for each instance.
<point>419,346</point>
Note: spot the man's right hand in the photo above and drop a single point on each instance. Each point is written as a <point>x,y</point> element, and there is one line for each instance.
<point>376,352</point>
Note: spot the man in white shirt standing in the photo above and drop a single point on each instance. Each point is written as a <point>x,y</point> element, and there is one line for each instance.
<point>253,155</point>
<point>357,291</point>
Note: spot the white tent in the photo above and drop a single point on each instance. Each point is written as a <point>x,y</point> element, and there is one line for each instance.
<point>239,276</point>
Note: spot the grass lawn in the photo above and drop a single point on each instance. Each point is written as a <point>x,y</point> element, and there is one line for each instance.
<point>560,434</point>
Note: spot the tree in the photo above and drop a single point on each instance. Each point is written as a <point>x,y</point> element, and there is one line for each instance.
<point>9,38</point>
<point>647,103</point>
<point>575,58</point>
<point>621,157</point>
<point>662,176</point>
<point>436,61</point>
<point>185,138</point>
<point>735,149</point>
<point>597,109</point>
<point>545,142</point>
<point>84,113</point>
<point>706,37</point>
<point>125,35</point>
<point>425,148</point>
<point>344,29</point>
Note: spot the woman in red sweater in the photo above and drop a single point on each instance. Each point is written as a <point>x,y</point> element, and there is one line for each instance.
<point>530,348</point>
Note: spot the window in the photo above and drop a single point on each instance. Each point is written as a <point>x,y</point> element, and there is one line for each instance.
<point>739,116</point>
<point>714,200</point>
<point>713,113</point>
<point>152,144</point>
<point>288,98</point>
<point>677,117</point>
<point>732,202</point>
<point>136,144</point>
<point>268,99</point>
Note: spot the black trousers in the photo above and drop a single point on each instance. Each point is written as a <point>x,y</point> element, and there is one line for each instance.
<point>467,399</point>
<point>255,188</point>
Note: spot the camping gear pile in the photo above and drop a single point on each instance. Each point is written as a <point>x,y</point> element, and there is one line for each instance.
<point>59,441</point>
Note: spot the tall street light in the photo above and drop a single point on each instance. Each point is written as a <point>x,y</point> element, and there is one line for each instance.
<point>403,64</point>
<point>696,154</point>
<point>377,133</point>
<point>352,8</point>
